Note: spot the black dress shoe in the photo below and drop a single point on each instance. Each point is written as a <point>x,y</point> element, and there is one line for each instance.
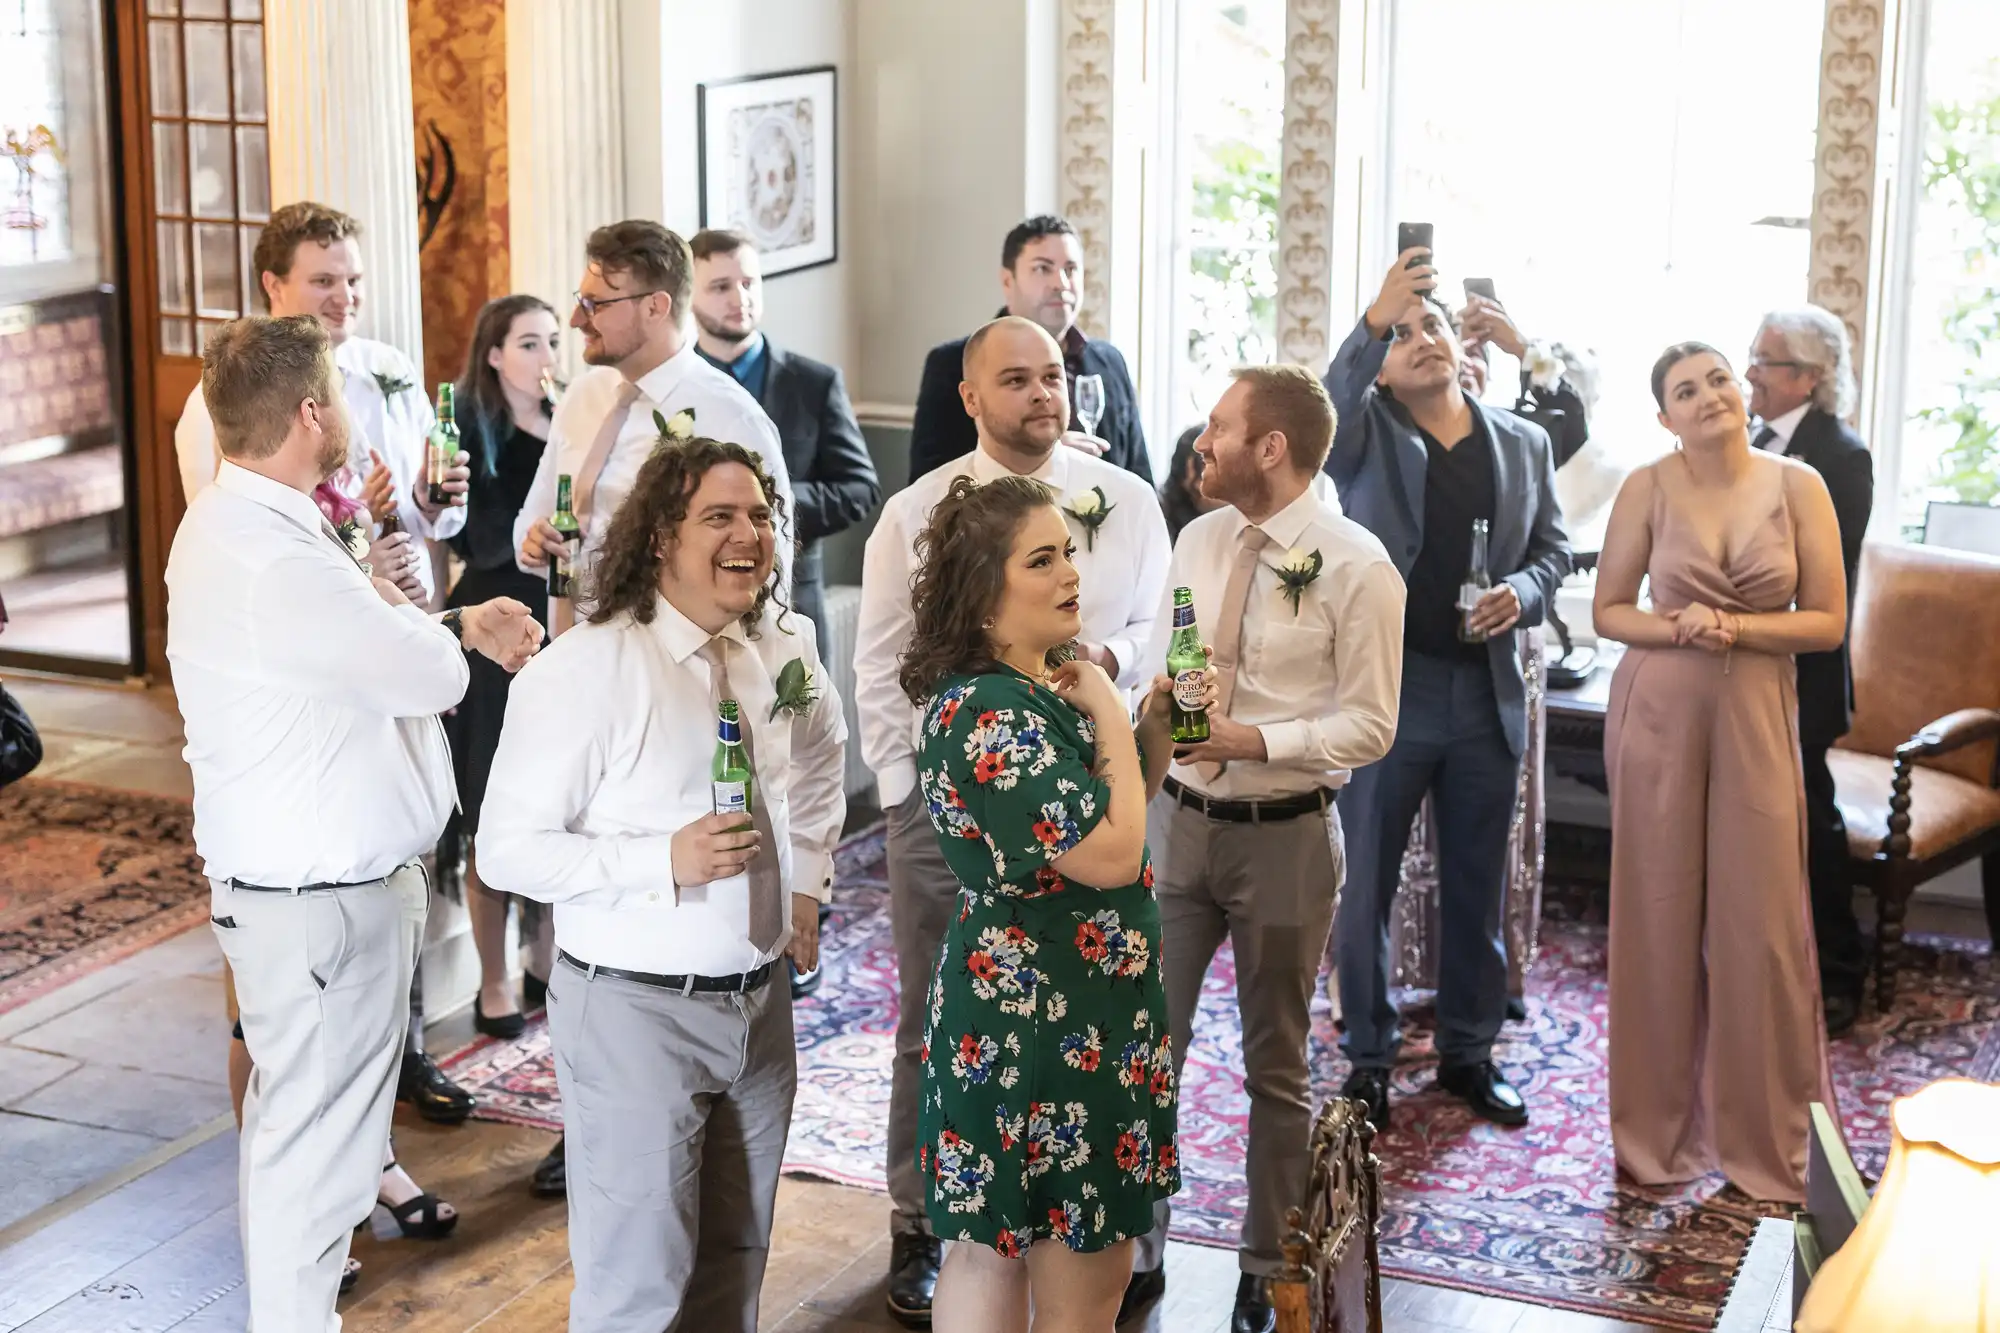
<point>1481,1087</point>
<point>504,1026</point>
<point>1146,1286</point>
<point>1517,1009</point>
<point>1842,1013</point>
<point>534,992</point>
<point>424,1086</point>
<point>551,1178</point>
<point>913,1270</point>
<point>1370,1086</point>
<point>1253,1312</point>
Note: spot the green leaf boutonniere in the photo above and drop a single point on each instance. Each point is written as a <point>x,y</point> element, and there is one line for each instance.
<point>1090,508</point>
<point>354,539</point>
<point>676,429</point>
<point>391,385</point>
<point>797,691</point>
<point>1297,572</point>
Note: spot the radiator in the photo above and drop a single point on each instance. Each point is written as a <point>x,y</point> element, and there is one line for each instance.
<point>843,623</point>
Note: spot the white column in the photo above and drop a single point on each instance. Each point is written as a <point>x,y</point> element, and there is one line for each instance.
<point>565,142</point>
<point>1102,138</point>
<point>342,134</point>
<point>1846,254</point>
<point>1306,182</point>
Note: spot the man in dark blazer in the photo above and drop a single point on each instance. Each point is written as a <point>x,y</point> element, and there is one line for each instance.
<point>1801,386</point>
<point>1041,275</point>
<point>834,485</point>
<point>1418,463</point>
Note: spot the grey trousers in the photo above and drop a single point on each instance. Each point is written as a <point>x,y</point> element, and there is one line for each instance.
<point>323,984</point>
<point>923,894</point>
<point>675,1111</point>
<point>1269,889</point>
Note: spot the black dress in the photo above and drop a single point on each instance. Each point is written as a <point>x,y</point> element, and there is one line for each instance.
<point>486,544</point>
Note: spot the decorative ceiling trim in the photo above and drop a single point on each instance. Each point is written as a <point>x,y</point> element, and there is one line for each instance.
<point>1084,147</point>
<point>1844,172</point>
<point>1305,187</point>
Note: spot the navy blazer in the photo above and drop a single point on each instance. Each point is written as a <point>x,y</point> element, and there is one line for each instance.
<point>834,485</point>
<point>1378,463</point>
<point>941,431</point>
<point>1823,442</point>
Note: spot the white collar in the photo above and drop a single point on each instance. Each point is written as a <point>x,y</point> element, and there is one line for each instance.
<point>664,378</point>
<point>1288,526</point>
<point>1053,472</point>
<point>681,637</point>
<point>255,486</point>
<point>1784,427</point>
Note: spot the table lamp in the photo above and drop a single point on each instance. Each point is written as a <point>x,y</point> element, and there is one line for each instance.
<point>1926,1257</point>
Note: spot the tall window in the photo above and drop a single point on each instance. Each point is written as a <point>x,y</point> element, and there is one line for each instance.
<point>1225,121</point>
<point>1947,404</point>
<point>1628,175</point>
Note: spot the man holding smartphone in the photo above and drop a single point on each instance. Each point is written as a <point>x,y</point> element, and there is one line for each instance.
<point>1434,474</point>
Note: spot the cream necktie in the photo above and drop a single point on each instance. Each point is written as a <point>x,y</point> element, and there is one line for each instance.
<point>583,488</point>
<point>1229,629</point>
<point>767,897</point>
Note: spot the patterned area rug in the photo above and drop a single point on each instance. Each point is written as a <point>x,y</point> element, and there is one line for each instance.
<point>89,875</point>
<point>1534,1214</point>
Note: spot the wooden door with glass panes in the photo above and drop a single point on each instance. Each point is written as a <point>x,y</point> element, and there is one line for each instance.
<point>196,149</point>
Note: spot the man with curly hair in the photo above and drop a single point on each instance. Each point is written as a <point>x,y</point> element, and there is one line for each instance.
<point>673,1048</point>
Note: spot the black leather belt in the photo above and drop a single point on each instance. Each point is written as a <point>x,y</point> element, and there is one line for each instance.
<point>1251,812</point>
<point>739,983</point>
<point>323,887</point>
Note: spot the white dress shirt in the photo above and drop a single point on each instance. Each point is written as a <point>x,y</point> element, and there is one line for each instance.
<point>723,410</point>
<point>310,704</point>
<point>1123,570</point>
<point>1784,426</point>
<point>1322,685</point>
<point>397,427</point>
<point>605,755</point>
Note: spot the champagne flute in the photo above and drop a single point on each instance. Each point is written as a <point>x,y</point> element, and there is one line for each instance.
<point>1089,402</point>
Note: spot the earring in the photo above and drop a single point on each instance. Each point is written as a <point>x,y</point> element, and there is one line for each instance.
<point>986,623</point>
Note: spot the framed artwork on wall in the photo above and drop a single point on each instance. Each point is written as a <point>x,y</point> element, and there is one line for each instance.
<point>768,164</point>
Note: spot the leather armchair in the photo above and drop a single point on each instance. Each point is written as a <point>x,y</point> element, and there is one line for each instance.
<point>1918,773</point>
<point>1332,1279</point>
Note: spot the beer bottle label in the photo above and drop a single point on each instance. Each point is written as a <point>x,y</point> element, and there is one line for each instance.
<point>731,798</point>
<point>1188,689</point>
<point>1469,594</point>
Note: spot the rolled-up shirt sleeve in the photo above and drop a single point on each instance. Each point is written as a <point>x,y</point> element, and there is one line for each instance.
<point>545,772</point>
<point>1367,612</point>
<point>322,629</point>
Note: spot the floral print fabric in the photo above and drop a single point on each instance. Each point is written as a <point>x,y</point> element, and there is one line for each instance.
<point>1048,1093</point>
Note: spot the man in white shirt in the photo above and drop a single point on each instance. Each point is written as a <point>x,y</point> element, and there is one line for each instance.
<point>1016,392</point>
<point>308,262</point>
<point>310,698</point>
<point>633,309</point>
<point>1245,840</point>
<point>673,1046</point>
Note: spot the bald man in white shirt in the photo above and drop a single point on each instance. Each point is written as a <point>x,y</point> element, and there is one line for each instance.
<point>310,694</point>
<point>1016,392</point>
<point>668,1006</point>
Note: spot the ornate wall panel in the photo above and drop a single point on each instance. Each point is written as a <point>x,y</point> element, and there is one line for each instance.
<point>1845,243</point>
<point>1306,183</point>
<point>1086,147</point>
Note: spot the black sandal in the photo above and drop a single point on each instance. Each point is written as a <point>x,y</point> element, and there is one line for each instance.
<point>419,1219</point>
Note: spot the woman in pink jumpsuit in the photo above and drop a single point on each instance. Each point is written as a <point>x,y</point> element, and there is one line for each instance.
<point>1717,1043</point>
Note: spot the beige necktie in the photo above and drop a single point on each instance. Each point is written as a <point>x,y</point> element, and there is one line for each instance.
<point>583,487</point>
<point>767,896</point>
<point>1229,629</point>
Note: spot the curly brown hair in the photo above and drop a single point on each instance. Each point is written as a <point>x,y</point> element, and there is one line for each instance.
<point>961,573</point>
<point>626,576</point>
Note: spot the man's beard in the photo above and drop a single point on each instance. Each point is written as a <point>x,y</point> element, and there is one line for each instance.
<point>1015,435</point>
<point>715,328</point>
<point>1240,485</point>
<point>333,443</point>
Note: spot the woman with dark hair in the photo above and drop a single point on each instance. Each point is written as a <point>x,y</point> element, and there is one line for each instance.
<point>1180,493</point>
<point>1048,1098</point>
<point>503,413</point>
<point>1717,1046</point>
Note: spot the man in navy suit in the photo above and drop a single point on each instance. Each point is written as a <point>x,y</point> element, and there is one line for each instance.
<point>1417,462</point>
<point>1801,385</point>
<point>834,485</point>
<point>1041,275</point>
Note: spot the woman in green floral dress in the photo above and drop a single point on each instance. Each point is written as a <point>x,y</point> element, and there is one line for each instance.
<point>1047,1121</point>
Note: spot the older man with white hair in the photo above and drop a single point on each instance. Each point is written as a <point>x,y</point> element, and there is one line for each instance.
<point>1802,386</point>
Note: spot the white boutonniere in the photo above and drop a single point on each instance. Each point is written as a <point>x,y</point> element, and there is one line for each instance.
<point>676,429</point>
<point>1297,572</point>
<point>1090,508</point>
<point>1545,368</point>
<point>797,690</point>
<point>392,384</point>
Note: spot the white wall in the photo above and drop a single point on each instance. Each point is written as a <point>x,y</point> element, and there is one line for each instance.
<point>673,46</point>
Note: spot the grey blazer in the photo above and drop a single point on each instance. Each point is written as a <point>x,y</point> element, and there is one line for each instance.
<point>1378,463</point>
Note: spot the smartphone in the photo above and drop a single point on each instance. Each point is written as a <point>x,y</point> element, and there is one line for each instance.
<point>1414,236</point>
<point>1480,287</point>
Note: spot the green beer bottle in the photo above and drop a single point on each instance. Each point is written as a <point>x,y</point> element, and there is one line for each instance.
<point>729,773</point>
<point>444,445</point>
<point>562,568</point>
<point>1188,665</point>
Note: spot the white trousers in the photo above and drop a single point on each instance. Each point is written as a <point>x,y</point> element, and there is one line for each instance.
<point>323,982</point>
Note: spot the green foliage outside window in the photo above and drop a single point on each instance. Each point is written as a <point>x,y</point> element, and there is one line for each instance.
<point>1962,170</point>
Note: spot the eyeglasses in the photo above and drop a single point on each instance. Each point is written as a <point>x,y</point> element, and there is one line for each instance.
<point>590,305</point>
<point>1763,363</point>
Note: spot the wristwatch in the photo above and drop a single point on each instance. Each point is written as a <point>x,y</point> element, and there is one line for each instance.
<point>454,620</point>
